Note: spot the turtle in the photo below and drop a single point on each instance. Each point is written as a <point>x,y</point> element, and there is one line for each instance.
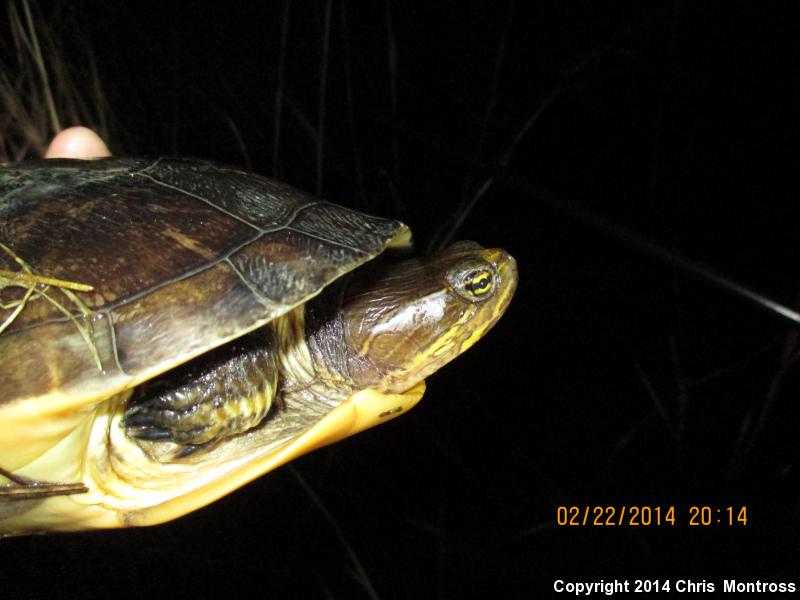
<point>171,329</point>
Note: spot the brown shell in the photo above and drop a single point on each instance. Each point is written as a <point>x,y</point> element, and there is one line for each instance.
<point>183,256</point>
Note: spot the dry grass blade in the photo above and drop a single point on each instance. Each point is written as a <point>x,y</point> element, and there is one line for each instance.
<point>24,488</point>
<point>34,49</point>
<point>475,191</point>
<point>279,89</point>
<point>360,572</point>
<point>25,278</point>
<point>323,88</point>
<point>38,286</point>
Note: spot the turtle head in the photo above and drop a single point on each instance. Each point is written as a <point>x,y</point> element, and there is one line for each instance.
<point>401,322</point>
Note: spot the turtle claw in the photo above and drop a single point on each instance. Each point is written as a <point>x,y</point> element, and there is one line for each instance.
<point>151,434</point>
<point>146,422</point>
<point>187,450</point>
<point>143,424</point>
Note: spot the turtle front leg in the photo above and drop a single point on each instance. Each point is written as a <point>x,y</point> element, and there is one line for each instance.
<point>222,393</point>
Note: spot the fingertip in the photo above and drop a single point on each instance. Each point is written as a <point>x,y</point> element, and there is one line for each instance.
<point>77,142</point>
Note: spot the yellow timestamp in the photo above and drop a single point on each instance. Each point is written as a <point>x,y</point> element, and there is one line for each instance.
<point>650,516</point>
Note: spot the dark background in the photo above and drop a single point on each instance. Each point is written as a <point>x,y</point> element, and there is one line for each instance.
<point>613,379</point>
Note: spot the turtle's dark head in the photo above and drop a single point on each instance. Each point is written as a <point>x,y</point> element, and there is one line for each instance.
<point>403,321</point>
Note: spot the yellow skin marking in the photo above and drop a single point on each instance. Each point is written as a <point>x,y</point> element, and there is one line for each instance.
<point>37,286</point>
<point>453,341</point>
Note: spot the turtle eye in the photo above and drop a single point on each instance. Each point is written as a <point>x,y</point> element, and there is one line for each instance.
<point>479,283</point>
<point>473,280</point>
